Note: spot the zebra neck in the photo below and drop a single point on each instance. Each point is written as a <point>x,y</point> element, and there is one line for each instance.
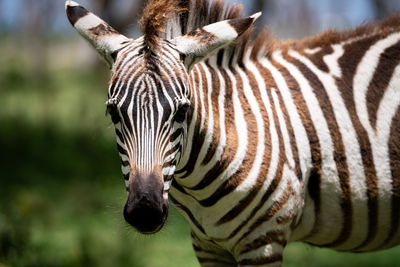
<point>207,136</point>
<point>239,147</point>
<point>231,133</point>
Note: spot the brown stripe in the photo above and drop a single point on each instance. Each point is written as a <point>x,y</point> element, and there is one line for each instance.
<point>266,239</point>
<point>318,58</point>
<point>175,135</point>
<point>354,53</point>
<point>338,153</point>
<point>241,174</point>
<point>209,247</point>
<point>198,138</point>
<point>275,258</point>
<point>284,219</point>
<point>293,145</point>
<point>314,180</point>
<point>382,76</point>
<point>119,135</point>
<point>119,67</point>
<point>121,150</point>
<point>231,137</point>
<point>241,25</point>
<point>215,87</point>
<point>102,29</point>
<point>394,154</point>
<point>275,207</point>
<point>125,163</point>
<point>200,249</point>
<point>274,184</point>
<point>75,13</point>
<point>271,189</point>
<point>243,203</point>
<point>171,151</point>
<point>185,209</point>
<point>203,37</point>
<point>218,262</point>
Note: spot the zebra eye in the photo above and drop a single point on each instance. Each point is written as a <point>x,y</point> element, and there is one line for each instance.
<point>112,110</point>
<point>180,114</point>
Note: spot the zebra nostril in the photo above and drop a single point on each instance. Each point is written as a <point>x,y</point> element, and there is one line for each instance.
<point>144,215</point>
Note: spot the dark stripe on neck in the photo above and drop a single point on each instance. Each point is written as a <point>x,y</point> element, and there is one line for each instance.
<point>339,155</point>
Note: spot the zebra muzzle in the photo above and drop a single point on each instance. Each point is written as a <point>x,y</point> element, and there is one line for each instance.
<point>146,209</point>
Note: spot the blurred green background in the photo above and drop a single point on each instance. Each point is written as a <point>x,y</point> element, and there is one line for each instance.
<point>61,190</point>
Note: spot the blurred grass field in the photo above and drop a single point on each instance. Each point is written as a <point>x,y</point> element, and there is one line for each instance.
<point>61,190</point>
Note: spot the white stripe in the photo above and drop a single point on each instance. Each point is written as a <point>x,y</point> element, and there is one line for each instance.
<point>223,30</point>
<point>287,176</point>
<point>312,51</point>
<point>241,126</point>
<point>241,191</point>
<point>167,185</point>
<point>191,129</point>
<point>125,169</point>
<point>70,3</point>
<point>332,61</point>
<point>207,115</point>
<point>168,171</point>
<point>202,170</point>
<point>274,157</point>
<point>329,198</point>
<point>297,126</point>
<point>364,75</point>
<point>387,108</point>
<point>283,128</point>
<point>352,152</point>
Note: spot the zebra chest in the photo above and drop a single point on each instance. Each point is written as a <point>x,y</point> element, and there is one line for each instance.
<point>232,215</point>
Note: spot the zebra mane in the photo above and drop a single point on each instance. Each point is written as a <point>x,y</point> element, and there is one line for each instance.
<point>330,37</point>
<point>155,18</point>
<point>167,19</point>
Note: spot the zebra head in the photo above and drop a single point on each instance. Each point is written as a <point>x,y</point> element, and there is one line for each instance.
<point>150,103</point>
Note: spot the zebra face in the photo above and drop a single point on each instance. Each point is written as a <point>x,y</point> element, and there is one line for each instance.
<point>149,105</point>
<point>149,99</point>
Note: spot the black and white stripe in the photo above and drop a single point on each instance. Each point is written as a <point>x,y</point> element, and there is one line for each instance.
<point>263,145</point>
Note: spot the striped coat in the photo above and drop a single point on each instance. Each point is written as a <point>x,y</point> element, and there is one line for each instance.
<point>258,143</point>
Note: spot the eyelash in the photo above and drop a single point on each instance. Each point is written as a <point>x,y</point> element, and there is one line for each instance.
<point>112,110</point>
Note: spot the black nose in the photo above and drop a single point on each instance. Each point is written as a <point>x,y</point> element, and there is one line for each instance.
<point>145,215</point>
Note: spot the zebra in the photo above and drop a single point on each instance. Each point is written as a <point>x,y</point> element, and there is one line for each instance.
<point>257,142</point>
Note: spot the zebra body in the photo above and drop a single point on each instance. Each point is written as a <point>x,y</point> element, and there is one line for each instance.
<point>320,126</point>
<point>256,144</point>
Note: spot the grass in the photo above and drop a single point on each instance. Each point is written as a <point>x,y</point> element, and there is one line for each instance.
<point>62,193</point>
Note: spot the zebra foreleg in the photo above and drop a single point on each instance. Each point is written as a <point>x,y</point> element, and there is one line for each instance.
<point>267,255</point>
<point>266,250</point>
<point>211,255</point>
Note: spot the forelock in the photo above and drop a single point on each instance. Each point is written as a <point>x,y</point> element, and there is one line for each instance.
<point>156,15</point>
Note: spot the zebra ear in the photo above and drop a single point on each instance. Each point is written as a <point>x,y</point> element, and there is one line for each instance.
<point>100,35</point>
<point>201,43</point>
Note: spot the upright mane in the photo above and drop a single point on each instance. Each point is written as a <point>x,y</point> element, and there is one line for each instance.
<point>167,19</point>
